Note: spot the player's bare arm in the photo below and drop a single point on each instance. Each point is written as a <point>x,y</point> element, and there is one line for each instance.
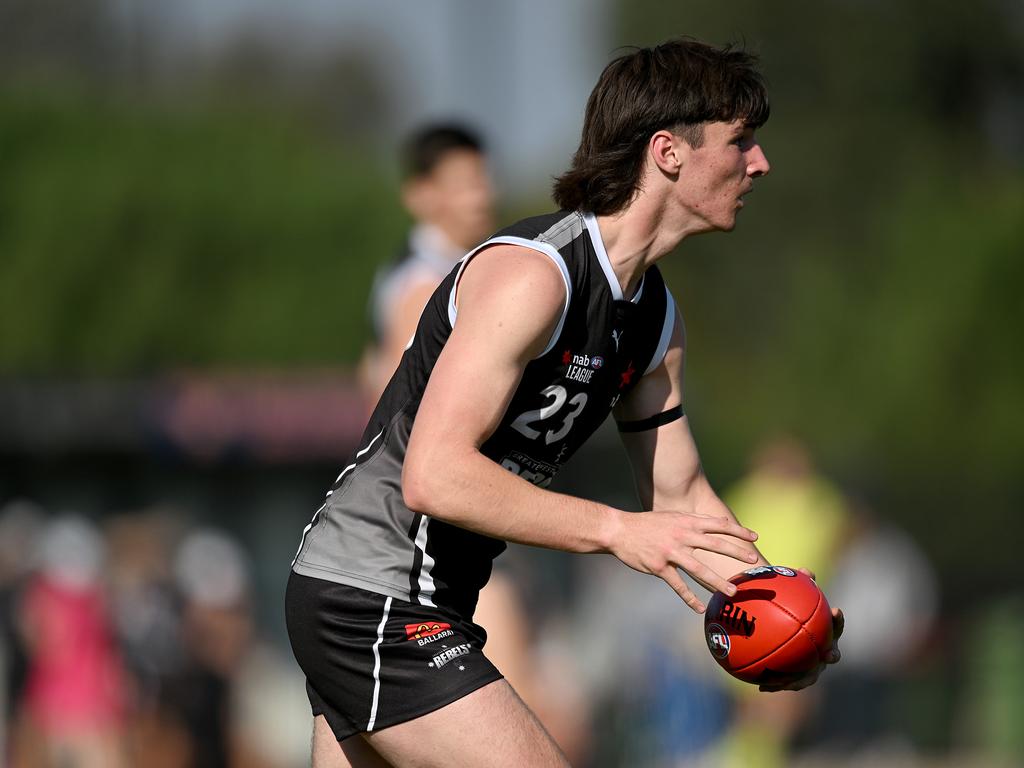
<point>668,472</point>
<point>509,301</point>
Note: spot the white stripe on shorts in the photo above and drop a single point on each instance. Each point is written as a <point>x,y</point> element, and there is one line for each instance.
<point>376,665</point>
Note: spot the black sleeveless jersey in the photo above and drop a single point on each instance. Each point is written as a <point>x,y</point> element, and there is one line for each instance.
<point>366,537</point>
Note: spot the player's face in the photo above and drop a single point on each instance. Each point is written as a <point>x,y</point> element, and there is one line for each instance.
<point>720,172</point>
<point>460,197</point>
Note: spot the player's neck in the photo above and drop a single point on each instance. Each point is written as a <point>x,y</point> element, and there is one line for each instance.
<point>636,238</point>
<point>644,232</point>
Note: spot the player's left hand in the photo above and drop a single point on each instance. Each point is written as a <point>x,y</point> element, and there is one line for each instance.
<point>810,678</point>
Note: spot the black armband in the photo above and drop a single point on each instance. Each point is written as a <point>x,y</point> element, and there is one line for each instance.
<point>652,422</point>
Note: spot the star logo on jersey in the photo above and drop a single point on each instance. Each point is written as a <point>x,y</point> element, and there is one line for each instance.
<point>627,375</point>
<point>567,357</point>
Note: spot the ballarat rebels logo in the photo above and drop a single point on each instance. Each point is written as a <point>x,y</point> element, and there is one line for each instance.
<point>449,654</point>
<point>426,629</point>
<point>718,641</point>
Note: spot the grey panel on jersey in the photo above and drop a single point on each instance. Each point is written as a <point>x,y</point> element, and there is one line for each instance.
<point>381,563</point>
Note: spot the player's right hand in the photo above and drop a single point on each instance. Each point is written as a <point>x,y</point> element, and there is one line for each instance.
<point>660,542</point>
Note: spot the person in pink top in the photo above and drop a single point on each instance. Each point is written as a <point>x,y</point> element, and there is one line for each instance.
<point>74,701</point>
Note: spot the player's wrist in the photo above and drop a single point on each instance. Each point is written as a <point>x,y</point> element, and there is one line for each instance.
<point>610,529</point>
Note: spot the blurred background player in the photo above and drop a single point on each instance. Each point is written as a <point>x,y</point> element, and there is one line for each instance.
<point>448,192</point>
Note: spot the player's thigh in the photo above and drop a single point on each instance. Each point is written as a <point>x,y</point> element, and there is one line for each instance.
<point>353,752</point>
<point>489,728</point>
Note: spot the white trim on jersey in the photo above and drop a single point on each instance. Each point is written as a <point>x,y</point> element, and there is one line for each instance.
<point>666,332</point>
<point>376,665</point>
<point>426,580</point>
<point>350,467</point>
<point>533,245</point>
<point>606,264</point>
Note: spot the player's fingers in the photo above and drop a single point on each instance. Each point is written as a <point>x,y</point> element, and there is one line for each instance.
<point>796,683</point>
<point>728,548</point>
<point>838,623</point>
<point>808,573</point>
<point>726,526</point>
<point>709,578</point>
<point>671,577</point>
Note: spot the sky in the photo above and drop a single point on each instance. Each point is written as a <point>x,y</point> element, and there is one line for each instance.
<point>519,72</point>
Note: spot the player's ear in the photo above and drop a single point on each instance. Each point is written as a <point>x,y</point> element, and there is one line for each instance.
<point>667,151</point>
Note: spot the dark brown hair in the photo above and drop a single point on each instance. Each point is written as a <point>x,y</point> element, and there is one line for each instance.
<point>678,86</point>
<point>426,147</point>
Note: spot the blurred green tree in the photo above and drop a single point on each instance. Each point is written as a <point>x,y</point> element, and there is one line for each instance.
<point>139,237</point>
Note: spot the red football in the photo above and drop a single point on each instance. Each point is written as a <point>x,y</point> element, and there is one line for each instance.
<point>777,624</point>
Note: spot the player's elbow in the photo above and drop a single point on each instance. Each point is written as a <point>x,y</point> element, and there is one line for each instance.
<point>420,487</point>
<point>430,482</point>
<point>414,493</point>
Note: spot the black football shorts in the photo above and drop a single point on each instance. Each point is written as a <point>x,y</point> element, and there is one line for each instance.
<point>372,661</point>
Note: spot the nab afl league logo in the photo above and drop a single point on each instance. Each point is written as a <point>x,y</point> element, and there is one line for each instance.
<point>718,641</point>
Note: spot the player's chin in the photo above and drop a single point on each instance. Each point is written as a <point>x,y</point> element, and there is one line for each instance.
<point>728,222</point>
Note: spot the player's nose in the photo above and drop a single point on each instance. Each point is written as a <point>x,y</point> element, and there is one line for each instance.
<point>757,162</point>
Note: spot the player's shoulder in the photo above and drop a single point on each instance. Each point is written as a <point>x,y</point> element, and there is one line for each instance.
<point>554,228</point>
<point>509,267</point>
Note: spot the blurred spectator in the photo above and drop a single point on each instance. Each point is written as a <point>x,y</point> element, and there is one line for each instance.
<point>21,522</point>
<point>138,650</point>
<point>74,699</point>
<point>147,618</point>
<point>800,518</point>
<point>212,576</point>
<point>799,515</point>
<point>656,692</point>
<point>448,192</point>
<point>889,592</point>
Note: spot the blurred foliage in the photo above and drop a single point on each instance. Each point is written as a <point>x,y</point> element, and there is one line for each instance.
<point>136,237</point>
<point>868,299</point>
